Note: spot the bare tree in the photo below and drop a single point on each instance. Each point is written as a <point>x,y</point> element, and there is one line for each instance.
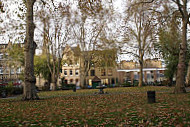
<point>89,24</point>
<point>181,6</point>
<point>55,36</point>
<point>140,32</point>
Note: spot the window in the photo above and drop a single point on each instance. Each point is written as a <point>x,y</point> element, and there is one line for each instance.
<point>7,70</point>
<point>71,81</point>
<point>65,72</point>
<point>90,82</point>
<point>92,72</point>
<point>1,70</point>
<point>71,72</point>
<point>104,81</point>
<point>103,72</point>
<point>136,76</point>
<point>76,72</point>
<point>18,70</point>
<point>12,71</point>
<point>1,56</point>
<point>109,72</point>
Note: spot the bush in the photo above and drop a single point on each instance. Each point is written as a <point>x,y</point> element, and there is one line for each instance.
<point>18,90</point>
<point>126,84</point>
<point>135,82</point>
<point>68,86</point>
<point>2,91</point>
<point>9,90</point>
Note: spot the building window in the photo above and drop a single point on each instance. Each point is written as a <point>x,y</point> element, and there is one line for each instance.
<point>136,76</point>
<point>65,72</point>
<point>103,72</point>
<point>1,70</point>
<point>12,71</point>
<point>90,82</point>
<point>18,70</point>
<point>76,72</point>
<point>71,72</point>
<point>1,56</point>
<point>71,81</point>
<point>104,81</point>
<point>92,72</point>
<point>6,70</point>
<point>109,72</point>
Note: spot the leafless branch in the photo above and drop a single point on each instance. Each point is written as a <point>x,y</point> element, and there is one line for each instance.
<point>179,7</point>
<point>132,53</point>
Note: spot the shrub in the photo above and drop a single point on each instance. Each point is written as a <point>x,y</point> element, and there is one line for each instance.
<point>126,84</point>
<point>18,90</point>
<point>135,82</point>
<point>9,89</point>
<point>68,86</point>
<point>2,91</point>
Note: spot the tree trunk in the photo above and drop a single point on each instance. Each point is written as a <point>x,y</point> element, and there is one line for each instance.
<point>53,85</point>
<point>180,80</point>
<point>29,92</point>
<point>188,75</point>
<point>170,81</point>
<point>141,73</point>
<point>82,80</point>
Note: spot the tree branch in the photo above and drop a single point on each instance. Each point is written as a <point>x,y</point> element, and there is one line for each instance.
<point>127,52</point>
<point>179,7</point>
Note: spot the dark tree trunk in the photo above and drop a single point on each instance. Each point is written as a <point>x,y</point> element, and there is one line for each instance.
<point>29,92</point>
<point>188,75</point>
<point>180,80</point>
<point>141,73</point>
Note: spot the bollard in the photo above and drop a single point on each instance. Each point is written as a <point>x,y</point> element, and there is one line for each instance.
<point>151,96</point>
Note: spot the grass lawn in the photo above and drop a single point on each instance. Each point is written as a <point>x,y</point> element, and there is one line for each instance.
<point>121,107</point>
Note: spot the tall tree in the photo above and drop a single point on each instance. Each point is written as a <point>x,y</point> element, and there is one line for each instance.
<point>182,7</point>
<point>140,32</point>
<point>55,36</point>
<point>168,46</point>
<point>89,24</point>
<point>41,68</point>
<point>29,92</point>
<point>185,15</point>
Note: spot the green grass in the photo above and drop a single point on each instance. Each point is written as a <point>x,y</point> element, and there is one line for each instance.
<point>121,107</point>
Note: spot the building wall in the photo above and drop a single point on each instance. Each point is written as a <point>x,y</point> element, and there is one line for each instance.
<point>108,75</point>
<point>152,63</point>
<point>131,71</point>
<point>70,69</point>
<point>128,64</point>
<point>71,74</point>
<point>71,63</point>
